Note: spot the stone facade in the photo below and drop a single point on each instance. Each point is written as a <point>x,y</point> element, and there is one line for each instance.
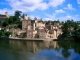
<point>49,27</point>
<point>3,17</point>
<point>39,24</point>
<point>25,17</point>
<point>38,29</point>
<point>42,33</point>
<point>29,33</point>
<point>26,23</point>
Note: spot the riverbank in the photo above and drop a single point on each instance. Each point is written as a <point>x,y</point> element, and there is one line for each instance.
<point>37,39</point>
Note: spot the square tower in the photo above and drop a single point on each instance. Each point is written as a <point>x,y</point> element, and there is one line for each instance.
<point>26,25</point>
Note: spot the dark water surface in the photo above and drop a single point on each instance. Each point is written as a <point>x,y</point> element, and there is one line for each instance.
<point>39,50</point>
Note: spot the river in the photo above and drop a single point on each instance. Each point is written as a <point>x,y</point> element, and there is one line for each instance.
<point>39,50</point>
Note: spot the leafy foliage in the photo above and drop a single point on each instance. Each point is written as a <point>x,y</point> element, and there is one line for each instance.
<point>76,35</point>
<point>1,33</point>
<point>12,20</point>
<point>5,23</point>
<point>68,27</point>
<point>8,33</point>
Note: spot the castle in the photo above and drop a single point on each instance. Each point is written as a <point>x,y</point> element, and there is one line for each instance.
<point>38,29</point>
<point>34,28</point>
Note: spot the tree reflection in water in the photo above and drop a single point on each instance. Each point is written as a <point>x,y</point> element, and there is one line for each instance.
<point>67,46</point>
<point>65,53</point>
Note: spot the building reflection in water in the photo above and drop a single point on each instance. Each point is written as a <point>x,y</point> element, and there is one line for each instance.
<point>46,50</point>
<point>33,46</point>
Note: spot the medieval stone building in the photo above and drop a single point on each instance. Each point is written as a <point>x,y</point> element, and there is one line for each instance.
<point>26,22</point>
<point>38,29</point>
<point>3,17</point>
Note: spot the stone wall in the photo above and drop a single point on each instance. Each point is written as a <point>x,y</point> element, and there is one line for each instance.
<point>29,33</point>
<point>24,25</point>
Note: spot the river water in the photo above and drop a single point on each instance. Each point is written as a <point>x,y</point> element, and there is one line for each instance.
<point>39,50</point>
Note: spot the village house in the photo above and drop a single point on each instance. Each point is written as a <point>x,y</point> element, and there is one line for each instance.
<point>39,24</point>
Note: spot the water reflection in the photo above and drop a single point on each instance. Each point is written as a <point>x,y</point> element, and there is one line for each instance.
<point>39,50</point>
<point>68,46</point>
<point>33,46</point>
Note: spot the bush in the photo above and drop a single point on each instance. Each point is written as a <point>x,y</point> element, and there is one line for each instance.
<point>8,33</point>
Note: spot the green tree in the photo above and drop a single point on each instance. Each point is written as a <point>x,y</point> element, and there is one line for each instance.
<point>0,23</point>
<point>48,22</point>
<point>8,33</point>
<point>1,33</point>
<point>10,21</point>
<point>76,26</point>
<point>5,23</point>
<point>65,29</point>
<point>76,35</point>
<point>16,16</point>
<point>19,25</point>
<point>68,27</point>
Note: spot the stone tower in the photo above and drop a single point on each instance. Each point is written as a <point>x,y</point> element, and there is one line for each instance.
<point>6,13</point>
<point>26,23</point>
<point>25,17</point>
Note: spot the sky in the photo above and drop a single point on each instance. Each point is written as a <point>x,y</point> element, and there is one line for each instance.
<point>44,9</point>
